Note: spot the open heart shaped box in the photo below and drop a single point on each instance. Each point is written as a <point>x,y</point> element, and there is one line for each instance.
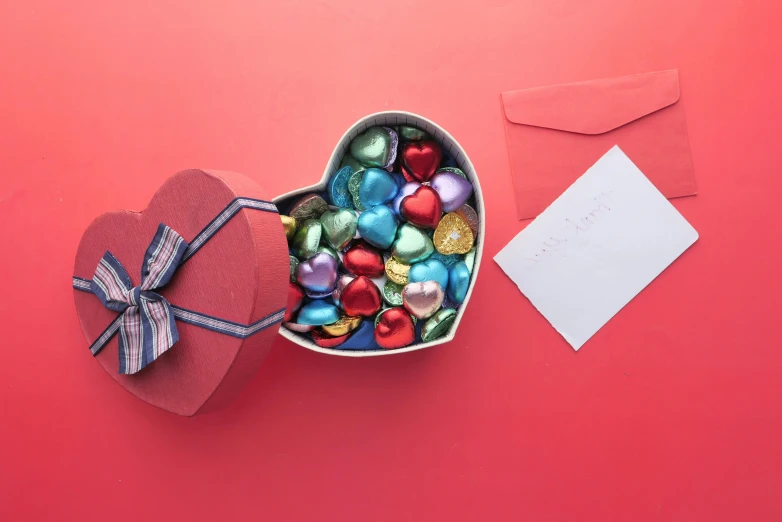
<point>449,144</point>
<point>241,275</point>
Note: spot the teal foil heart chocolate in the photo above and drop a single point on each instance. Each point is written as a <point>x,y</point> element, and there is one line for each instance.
<point>307,239</point>
<point>338,191</point>
<point>429,270</point>
<point>411,245</point>
<point>318,313</point>
<point>377,187</point>
<point>376,147</point>
<point>458,282</point>
<point>378,226</point>
<point>339,227</point>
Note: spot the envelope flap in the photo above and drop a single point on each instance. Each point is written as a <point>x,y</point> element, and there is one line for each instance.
<point>592,107</point>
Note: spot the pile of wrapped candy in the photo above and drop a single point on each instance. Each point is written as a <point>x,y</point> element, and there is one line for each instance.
<point>384,257</point>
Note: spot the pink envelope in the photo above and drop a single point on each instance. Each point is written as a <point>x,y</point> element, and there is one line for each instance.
<point>554,134</point>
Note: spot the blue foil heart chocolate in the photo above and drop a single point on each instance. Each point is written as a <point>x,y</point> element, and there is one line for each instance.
<point>318,313</point>
<point>377,187</point>
<point>429,270</point>
<point>378,226</point>
<point>458,282</point>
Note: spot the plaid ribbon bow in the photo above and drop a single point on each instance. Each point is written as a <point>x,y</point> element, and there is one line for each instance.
<point>147,326</point>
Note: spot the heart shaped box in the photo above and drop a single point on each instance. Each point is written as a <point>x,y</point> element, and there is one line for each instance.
<point>240,275</point>
<point>448,143</point>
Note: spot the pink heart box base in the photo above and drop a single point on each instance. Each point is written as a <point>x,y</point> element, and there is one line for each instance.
<point>240,275</point>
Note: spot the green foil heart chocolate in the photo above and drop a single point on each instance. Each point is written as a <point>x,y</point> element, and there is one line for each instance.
<point>375,147</point>
<point>411,133</point>
<point>354,186</point>
<point>392,293</point>
<point>339,227</point>
<point>412,245</point>
<point>307,239</point>
<point>438,325</point>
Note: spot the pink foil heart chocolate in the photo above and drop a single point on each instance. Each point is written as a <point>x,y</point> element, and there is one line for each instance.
<point>423,299</point>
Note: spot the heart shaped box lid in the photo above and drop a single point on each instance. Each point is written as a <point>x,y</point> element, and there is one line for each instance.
<point>240,275</point>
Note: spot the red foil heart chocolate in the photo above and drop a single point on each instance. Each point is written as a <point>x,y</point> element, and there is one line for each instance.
<point>295,298</point>
<point>250,256</point>
<point>421,158</point>
<point>422,208</point>
<point>363,259</point>
<point>361,297</point>
<point>395,329</point>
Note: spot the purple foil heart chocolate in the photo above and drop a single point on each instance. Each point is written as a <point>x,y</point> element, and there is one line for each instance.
<point>318,273</point>
<point>453,189</point>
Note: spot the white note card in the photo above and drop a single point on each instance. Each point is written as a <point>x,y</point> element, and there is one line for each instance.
<point>596,247</point>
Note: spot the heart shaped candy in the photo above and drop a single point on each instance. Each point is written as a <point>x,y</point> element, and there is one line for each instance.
<point>378,226</point>
<point>423,299</point>
<point>345,325</point>
<point>430,270</point>
<point>305,242</point>
<point>295,298</point>
<point>376,147</point>
<point>289,224</point>
<point>339,227</point>
<point>394,329</point>
<point>318,273</point>
<point>421,158</point>
<point>453,235</point>
<point>338,188</point>
<point>458,282</point>
<point>318,313</point>
<point>412,245</point>
<point>361,297</point>
<point>422,208</point>
<point>411,133</point>
<point>438,325</point>
<point>363,259</point>
<point>377,187</point>
<point>453,189</point>
<point>310,206</point>
<point>404,191</point>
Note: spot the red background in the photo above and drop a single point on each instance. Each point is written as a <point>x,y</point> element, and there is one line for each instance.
<point>671,412</point>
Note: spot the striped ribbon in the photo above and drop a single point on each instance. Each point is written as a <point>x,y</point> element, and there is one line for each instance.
<point>146,321</point>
